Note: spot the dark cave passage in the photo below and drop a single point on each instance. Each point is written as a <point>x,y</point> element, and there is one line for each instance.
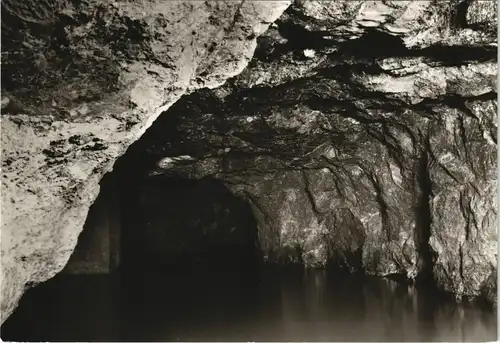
<point>162,223</point>
<point>171,223</point>
<point>146,239</point>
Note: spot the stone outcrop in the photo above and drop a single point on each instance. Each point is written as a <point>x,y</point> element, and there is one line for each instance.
<point>362,134</point>
<point>82,80</point>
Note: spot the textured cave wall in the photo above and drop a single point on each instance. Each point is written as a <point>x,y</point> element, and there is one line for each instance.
<point>363,134</point>
<point>82,80</point>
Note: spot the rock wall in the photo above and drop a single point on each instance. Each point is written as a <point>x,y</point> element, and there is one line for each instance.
<point>363,134</point>
<point>82,80</point>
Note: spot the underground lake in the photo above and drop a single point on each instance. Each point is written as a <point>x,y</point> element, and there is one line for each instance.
<point>238,305</point>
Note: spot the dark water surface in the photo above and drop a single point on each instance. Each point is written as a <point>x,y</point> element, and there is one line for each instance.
<point>275,305</point>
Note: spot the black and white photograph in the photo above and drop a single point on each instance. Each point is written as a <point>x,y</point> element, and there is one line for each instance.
<point>249,171</point>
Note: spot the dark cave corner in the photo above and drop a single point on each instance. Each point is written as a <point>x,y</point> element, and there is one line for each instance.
<point>165,224</point>
<point>188,224</point>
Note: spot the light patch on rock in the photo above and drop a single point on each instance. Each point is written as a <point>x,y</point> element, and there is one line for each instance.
<point>331,153</point>
<point>291,195</point>
<point>5,101</point>
<point>373,11</point>
<point>352,120</point>
<point>368,217</point>
<point>406,142</point>
<point>78,171</point>
<point>82,110</point>
<point>396,29</point>
<point>309,53</point>
<point>445,158</point>
<point>395,173</point>
<point>356,170</point>
<point>389,84</point>
<point>403,67</point>
<point>433,82</point>
<point>449,124</point>
<point>368,23</point>
<point>488,137</point>
<point>167,162</point>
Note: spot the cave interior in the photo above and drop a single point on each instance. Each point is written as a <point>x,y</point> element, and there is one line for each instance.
<point>325,130</point>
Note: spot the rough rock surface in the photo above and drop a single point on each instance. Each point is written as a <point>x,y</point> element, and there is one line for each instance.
<point>82,80</point>
<point>363,134</point>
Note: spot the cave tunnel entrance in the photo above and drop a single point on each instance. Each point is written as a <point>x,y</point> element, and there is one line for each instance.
<point>171,223</point>
<point>164,258</point>
<point>163,224</point>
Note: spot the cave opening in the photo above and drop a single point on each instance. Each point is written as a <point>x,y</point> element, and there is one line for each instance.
<point>174,223</point>
<point>338,188</point>
<point>164,223</point>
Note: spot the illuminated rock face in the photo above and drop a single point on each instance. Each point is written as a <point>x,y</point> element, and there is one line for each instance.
<point>362,134</point>
<point>81,81</point>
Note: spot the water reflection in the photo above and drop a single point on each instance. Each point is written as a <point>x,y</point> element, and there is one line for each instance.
<point>273,305</point>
